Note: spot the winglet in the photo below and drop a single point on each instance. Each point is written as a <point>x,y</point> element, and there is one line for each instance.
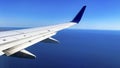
<point>79,15</point>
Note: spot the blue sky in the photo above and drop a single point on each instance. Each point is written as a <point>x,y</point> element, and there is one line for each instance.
<point>99,14</point>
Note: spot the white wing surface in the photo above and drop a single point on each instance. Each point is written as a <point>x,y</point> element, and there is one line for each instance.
<point>13,43</point>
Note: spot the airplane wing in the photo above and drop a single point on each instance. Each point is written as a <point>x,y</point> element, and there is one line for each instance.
<point>14,42</point>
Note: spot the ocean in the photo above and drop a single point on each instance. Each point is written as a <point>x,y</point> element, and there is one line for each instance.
<point>77,49</point>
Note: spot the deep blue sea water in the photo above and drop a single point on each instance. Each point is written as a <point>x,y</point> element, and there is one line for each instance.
<point>78,49</point>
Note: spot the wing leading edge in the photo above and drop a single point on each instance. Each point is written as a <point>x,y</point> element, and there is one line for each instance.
<point>13,43</point>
